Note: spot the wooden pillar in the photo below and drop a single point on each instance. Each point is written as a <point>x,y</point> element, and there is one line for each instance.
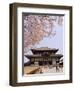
<point>50,61</point>
<point>57,64</point>
<point>32,61</point>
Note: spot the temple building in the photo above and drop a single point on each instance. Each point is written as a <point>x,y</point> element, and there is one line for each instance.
<point>44,56</point>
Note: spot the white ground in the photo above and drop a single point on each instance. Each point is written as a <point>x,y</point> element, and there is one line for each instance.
<point>47,69</point>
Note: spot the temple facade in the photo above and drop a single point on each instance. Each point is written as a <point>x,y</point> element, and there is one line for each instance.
<point>44,56</point>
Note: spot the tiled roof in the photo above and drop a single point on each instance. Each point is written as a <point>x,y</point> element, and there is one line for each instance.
<point>44,49</point>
